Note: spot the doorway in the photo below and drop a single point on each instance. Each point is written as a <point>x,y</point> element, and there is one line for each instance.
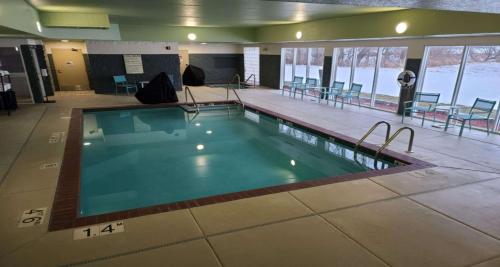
<point>70,69</point>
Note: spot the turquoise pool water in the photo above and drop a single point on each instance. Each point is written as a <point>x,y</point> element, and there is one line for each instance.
<point>143,157</point>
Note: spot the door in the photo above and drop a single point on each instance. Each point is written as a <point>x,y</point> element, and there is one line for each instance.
<point>70,69</point>
<point>183,59</point>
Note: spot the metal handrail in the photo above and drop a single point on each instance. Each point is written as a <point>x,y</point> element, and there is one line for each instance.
<point>234,91</point>
<point>371,130</point>
<point>386,144</point>
<point>186,91</point>
<point>254,79</point>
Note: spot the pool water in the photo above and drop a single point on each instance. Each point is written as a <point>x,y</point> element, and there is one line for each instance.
<point>137,158</point>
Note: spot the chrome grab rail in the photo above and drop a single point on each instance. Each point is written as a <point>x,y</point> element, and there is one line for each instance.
<point>234,91</point>
<point>186,91</point>
<point>254,79</point>
<point>387,134</point>
<point>386,144</point>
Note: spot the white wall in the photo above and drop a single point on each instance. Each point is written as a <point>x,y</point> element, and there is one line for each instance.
<point>212,48</point>
<point>131,47</point>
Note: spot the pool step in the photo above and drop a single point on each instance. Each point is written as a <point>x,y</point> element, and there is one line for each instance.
<point>192,109</point>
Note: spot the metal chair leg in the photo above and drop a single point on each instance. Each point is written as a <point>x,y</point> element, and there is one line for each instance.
<point>462,128</point>
<point>447,123</point>
<point>423,118</point>
<point>487,126</point>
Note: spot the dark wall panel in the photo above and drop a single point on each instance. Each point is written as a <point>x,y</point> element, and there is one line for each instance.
<point>42,64</point>
<point>10,60</point>
<point>270,70</point>
<point>327,69</point>
<point>32,76</point>
<point>219,68</point>
<point>412,64</point>
<point>102,68</point>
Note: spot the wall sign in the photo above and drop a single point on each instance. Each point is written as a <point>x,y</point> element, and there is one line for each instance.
<point>32,217</point>
<point>48,165</point>
<point>56,137</point>
<point>98,230</point>
<point>133,64</point>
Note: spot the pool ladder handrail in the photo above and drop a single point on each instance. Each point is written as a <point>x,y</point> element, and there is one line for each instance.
<point>186,91</point>
<point>387,134</point>
<point>237,76</point>
<point>254,79</point>
<point>386,144</point>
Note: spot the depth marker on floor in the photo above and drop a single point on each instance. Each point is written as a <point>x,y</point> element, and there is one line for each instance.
<point>98,230</point>
<point>32,217</point>
<point>48,165</point>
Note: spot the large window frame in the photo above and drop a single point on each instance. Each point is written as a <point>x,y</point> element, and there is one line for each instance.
<point>376,72</point>
<point>460,77</point>
<point>294,64</point>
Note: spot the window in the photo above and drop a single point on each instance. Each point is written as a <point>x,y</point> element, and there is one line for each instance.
<point>344,57</point>
<point>364,73</point>
<point>481,77</point>
<point>251,61</point>
<point>440,73</point>
<point>363,64</point>
<point>392,62</point>
<point>288,65</point>
<point>303,62</point>
<point>316,58</point>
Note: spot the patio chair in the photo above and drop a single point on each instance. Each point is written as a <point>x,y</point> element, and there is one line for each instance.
<point>297,80</point>
<point>334,90</point>
<point>310,83</point>
<point>423,103</point>
<point>480,111</point>
<point>348,95</point>
<point>121,82</point>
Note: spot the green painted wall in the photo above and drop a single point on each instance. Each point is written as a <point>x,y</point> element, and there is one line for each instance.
<point>81,20</point>
<point>170,33</point>
<point>420,23</point>
<point>18,15</point>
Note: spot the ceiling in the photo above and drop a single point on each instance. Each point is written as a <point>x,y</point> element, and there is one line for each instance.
<point>482,6</point>
<point>220,13</point>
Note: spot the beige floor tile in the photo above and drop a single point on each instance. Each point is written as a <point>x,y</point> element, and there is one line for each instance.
<point>341,195</point>
<point>490,263</point>
<point>406,234</point>
<point>193,253</point>
<point>58,248</point>
<point>430,179</point>
<point>3,171</point>
<point>11,207</point>
<point>477,204</point>
<point>248,212</point>
<point>309,241</point>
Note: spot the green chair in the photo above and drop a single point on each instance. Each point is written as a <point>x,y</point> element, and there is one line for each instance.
<point>353,92</point>
<point>423,103</point>
<point>121,82</point>
<point>480,111</point>
<point>335,89</point>
<point>310,83</point>
<point>297,81</point>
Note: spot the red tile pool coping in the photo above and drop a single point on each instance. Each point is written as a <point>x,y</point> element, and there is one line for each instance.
<point>64,213</point>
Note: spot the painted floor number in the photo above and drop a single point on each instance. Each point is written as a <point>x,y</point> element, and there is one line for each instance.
<point>32,217</point>
<point>98,230</point>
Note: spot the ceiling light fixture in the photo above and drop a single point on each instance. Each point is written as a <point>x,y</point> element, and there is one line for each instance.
<point>200,147</point>
<point>87,143</point>
<point>298,35</point>
<point>39,26</point>
<point>292,162</point>
<point>401,27</point>
<point>192,36</point>
<point>209,132</point>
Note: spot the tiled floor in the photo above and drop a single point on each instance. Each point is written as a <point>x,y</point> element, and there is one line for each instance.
<point>443,216</point>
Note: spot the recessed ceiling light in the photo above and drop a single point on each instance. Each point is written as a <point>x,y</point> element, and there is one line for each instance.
<point>209,132</point>
<point>292,162</point>
<point>200,147</point>
<point>192,36</point>
<point>197,124</point>
<point>64,41</point>
<point>87,143</point>
<point>401,27</point>
<point>17,49</point>
<point>39,26</point>
<point>298,35</point>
